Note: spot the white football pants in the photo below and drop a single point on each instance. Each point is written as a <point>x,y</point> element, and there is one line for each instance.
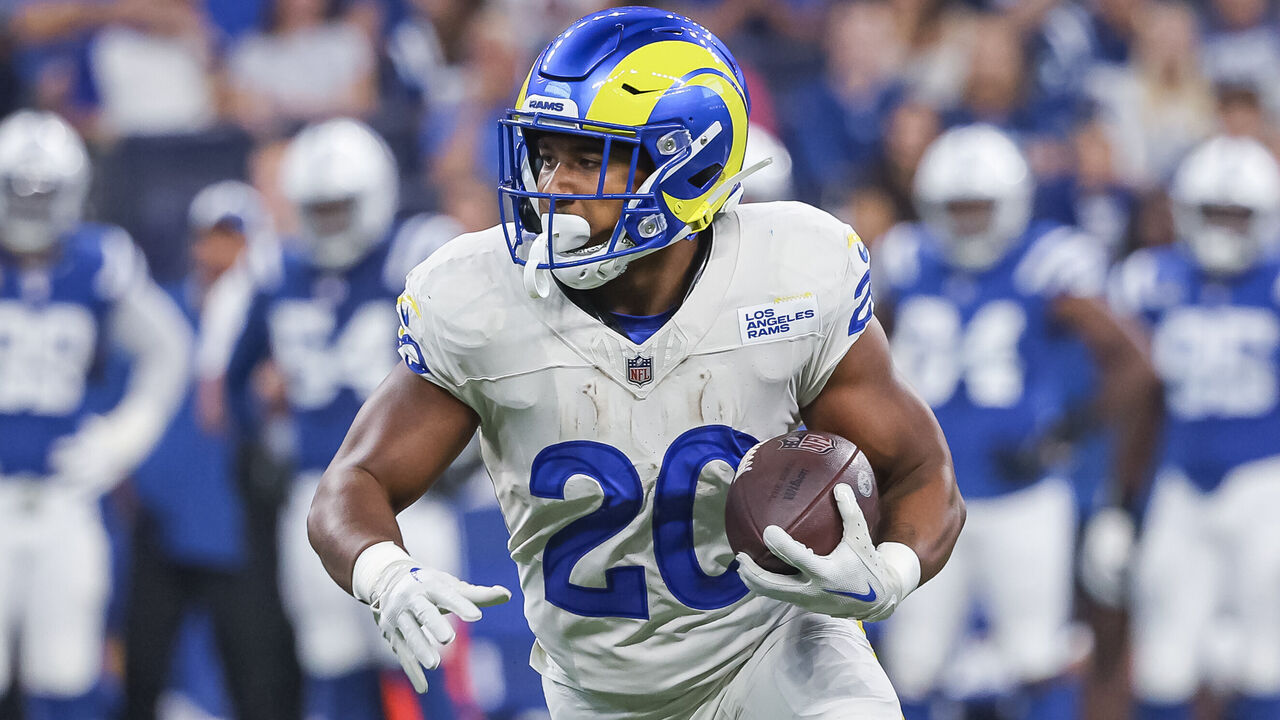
<point>335,633</point>
<point>1207,586</point>
<point>812,666</point>
<point>55,576</point>
<point>1013,556</point>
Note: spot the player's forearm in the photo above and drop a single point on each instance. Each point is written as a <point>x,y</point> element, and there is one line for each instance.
<point>147,325</point>
<point>1133,408</point>
<point>350,512</point>
<point>1131,397</point>
<point>923,510</point>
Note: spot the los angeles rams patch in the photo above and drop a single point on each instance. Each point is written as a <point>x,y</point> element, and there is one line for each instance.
<point>784,317</point>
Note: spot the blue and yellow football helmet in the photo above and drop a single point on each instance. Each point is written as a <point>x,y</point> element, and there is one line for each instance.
<point>644,81</point>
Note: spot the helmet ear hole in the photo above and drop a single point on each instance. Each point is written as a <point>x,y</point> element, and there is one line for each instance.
<point>704,177</point>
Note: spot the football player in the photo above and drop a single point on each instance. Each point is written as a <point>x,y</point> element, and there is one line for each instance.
<point>1207,576</point>
<point>70,292</point>
<point>323,317</point>
<point>984,303</point>
<point>622,340</point>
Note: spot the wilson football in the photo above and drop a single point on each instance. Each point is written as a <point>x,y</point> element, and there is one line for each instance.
<point>788,481</point>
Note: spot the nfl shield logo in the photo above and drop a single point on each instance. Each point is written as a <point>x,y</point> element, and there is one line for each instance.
<point>811,442</point>
<point>640,370</point>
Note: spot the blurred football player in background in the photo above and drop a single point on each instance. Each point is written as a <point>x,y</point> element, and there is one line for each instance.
<point>608,341</point>
<point>324,317</point>
<point>1207,579</point>
<point>982,304</point>
<point>70,293</point>
<point>192,546</point>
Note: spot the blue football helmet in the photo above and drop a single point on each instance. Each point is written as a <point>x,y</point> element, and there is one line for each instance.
<point>638,79</point>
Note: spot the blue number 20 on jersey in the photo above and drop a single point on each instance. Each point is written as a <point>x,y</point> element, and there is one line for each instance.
<point>624,593</point>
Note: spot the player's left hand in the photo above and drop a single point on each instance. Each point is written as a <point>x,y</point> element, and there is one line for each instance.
<point>858,579</point>
<point>409,604</point>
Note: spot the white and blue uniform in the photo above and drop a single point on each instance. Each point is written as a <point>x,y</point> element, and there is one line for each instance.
<point>611,461</point>
<point>52,330</point>
<point>1208,575</point>
<point>983,350</point>
<point>58,318</point>
<point>331,333</point>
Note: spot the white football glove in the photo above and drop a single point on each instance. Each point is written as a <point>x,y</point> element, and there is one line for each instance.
<point>91,460</point>
<point>1106,555</point>
<point>409,604</point>
<point>857,579</point>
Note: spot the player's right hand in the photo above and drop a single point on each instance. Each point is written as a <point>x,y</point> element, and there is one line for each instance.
<point>1106,555</point>
<point>858,579</point>
<point>409,603</point>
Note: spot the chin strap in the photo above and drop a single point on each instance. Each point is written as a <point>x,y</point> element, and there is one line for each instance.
<point>537,281</point>
<point>728,186</point>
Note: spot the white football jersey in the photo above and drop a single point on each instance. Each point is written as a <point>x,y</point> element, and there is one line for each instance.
<point>611,460</point>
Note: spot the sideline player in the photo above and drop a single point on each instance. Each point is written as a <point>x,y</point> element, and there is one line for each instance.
<point>983,303</point>
<point>647,334</point>
<point>323,318</point>
<point>192,545</point>
<point>1206,601</point>
<point>69,291</point>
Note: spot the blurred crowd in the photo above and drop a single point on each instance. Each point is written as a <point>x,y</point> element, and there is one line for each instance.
<point>1104,98</point>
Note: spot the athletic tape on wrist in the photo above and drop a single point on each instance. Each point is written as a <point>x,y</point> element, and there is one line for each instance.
<point>370,565</point>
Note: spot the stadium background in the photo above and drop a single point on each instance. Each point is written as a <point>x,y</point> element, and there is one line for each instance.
<point>1105,96</point>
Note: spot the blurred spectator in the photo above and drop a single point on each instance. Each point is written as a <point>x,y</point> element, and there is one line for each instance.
<point>998,90</point>
<point>1241,113</point>
<point>307,63</point>
<point>540,20</point>
<point>426,48</point>
<point>153,73</point>
<point>884,198</point>
<point>50,41</point>
<point>938,38</point>
<point>1163,103</point>
<point>1242,48</point>
<point>459,138</point>
<point>192,544</point>
<point>781,39</point>
<point>834,122</point>
<point>1091,196</point>
<point>1078,38</point>
<point>10,89</point>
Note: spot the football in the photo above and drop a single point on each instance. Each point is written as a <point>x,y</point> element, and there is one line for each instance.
<point>788,481</point>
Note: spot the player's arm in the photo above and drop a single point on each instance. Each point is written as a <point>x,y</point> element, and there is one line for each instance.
<point>148,326</point>
<point>922,512</point>
<point>1130,397</point>
<point>1131,403</point>
<point>866,401</point>
<point>404,437</point>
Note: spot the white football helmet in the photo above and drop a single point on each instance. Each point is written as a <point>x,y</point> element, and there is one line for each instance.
<point>974,190</point>
<point>342,178</point>
<point>1226,203</point>
<point>44,177</point>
